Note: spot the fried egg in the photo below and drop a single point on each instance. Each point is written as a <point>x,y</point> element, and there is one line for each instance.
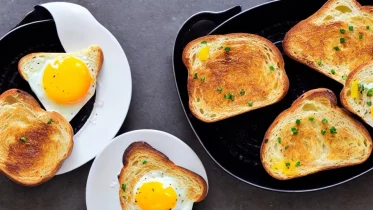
<point>157,190</point>
<point>63,82</point>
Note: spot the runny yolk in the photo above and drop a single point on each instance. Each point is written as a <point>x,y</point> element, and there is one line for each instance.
<point>289,169</point>
<point>203,53</point>
<point>66,80</point>
<point>152,196</point>
<point>354,89</point>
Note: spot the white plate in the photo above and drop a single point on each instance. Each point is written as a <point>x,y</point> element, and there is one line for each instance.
<point>102,191</point>
<point>77,29</point>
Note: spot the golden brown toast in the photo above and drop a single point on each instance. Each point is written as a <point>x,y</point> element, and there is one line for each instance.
<point>313,135</point>
<point>33,142</point>
<point>335,40</point>
<point>356,95</point>
<point>232,74</point>
<point>140,159</point>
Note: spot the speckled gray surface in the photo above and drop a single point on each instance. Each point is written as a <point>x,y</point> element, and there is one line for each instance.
<point>146,31</point>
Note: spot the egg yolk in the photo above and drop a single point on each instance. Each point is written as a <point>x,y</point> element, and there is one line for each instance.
<point>66,80</point>
<point>152,196</point>
<point>203,53</point>
<point>286,167</point>
<point>354,89</point>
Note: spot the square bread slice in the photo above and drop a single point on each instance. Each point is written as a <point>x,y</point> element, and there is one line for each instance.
<point>232,74</point>
<point>357,94</point>
<point>33,142</point>
<point>140,160</point>
<point>313,135</point>
<point>335,40</point>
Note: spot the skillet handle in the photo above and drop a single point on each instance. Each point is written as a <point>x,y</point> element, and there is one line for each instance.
<point>211,19</point>
<point>38,14</point>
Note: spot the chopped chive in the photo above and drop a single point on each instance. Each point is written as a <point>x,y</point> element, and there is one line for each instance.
<point>203,79</point>
<point>344,77</point>
<point>342,40</point>
<point>361,36</point>
<point>332,71</point>
<point>220,89</point>
<point>242,92</point>
<point>144,162</point>
<point>323,132</point>
<point>195,76</point>
<point>368,27</point>
<point>272,68</point>
<point>287,147</point>
<point>319,63</point>
<point>124,187</point>
<point>251,103</point>
<point>50,121</point>
<point>287,164</point>
<point>369,103</point>
<point>279,140</point>
<point>360,87</point>
<point>23,139</point>
<point>342,31</point>
<point>297,121</point>
<point>370,92</point>
<point>324,121</point>
<point>336,48</point>
<point>294,130</point>
<point>311,118</point>
<point>227,49</point>
<point>333,130</point>
<point>351,28</point>
<point>204,42</point>
<point>297,164</point>
<point>229,96</point>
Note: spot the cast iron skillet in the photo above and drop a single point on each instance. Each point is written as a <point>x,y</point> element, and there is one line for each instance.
<point>234,144</point>
<point>35,33</point>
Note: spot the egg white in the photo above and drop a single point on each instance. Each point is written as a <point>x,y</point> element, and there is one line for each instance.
<point>68,111</point>
<point>183,203</point>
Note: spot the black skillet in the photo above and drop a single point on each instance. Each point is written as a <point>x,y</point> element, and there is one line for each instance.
<point>35,33</point>
<point>234,144</point>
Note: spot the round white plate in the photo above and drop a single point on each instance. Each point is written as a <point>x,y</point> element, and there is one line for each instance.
<point>77,29</point>
<point>102,191</point>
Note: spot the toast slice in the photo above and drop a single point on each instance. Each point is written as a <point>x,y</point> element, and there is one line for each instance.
<point>232,74</point>
<point>335,40</point>
<point>356,95</point>
<point>33,142</point>
<point>93,57</point>
<point>313,135</point>
<point>139,160</point>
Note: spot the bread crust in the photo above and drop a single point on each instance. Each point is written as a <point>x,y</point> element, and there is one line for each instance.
<point>244,108</point>
<point>311,95</point>
<point>292,38</point>
<point>57,118</point>
<point>145,149</point>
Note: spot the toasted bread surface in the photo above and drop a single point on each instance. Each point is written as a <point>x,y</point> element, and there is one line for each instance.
<point>134,169</point>
<point>314,134</point>
<point>334,40</point>
<point>238,73</point>
<point>360,102</point>
<point>33,142</point>
<point>93,57</point>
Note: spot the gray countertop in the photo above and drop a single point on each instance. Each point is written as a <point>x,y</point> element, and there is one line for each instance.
<point>146,29</point>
